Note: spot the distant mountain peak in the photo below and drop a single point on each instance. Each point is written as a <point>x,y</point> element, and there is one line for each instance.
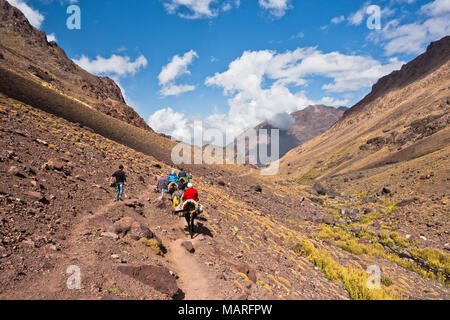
<point>308,123</point>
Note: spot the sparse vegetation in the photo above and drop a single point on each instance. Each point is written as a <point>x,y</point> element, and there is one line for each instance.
<point>153,244</point>
<point>350,243</point>
<point>310,175</point>
<point>238,285</point>
<point>116,292</point>
<point>354,280</point>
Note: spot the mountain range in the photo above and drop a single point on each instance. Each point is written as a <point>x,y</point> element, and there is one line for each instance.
<point>358,189</point>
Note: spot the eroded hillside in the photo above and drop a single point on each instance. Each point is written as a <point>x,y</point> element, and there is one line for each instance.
<point>26,50</point>
<point>257,238</point>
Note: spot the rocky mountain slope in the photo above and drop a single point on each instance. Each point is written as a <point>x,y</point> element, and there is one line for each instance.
<point>26,50</point>
<point>263,242</point>
<point>308,123</point>
<point>395,143</point>
<point>258,238</point>
<point>406,121</point>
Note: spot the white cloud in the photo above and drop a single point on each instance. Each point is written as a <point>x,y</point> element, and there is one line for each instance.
<point>356,18</point>
<point>337,20</point>
<point>437,8</point>
<point>199,9</point>
<point>261,86</point>
<point>175,90</point>
<point>170,122</point>
<point>116,66</point>
<point>34,16</point>
<point>412,38</point>
<point>177,67</point>
<point>332,102</point>
<point>51,37</point>
<point>299,35</point>
<point>277,8</point>
<point>227,7</point>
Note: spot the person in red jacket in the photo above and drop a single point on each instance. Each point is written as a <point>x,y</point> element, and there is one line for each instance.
<point>190,194</point>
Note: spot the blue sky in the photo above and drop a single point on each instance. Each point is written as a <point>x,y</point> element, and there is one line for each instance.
<point>236,63</point>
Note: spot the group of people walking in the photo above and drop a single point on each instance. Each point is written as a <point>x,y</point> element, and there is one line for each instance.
<point>179,186</point>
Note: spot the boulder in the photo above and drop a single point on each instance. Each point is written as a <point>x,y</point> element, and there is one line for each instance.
<point>133,204</point>
<point>138,231</point>
<point>111,235</point>
<point>53,164</point>
<point>319,189</point>
<point>188,246</point>
<point>10,154</point>
<point>123,225</point>
<point>105,224</point>
<point>256,188</point>
<point>14,171</point>
<point>57,165</point>
<point>327,219</point>
<point>35,196</point>
<point>157,277</point>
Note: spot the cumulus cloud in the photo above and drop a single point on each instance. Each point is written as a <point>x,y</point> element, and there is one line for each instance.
<point>51,37</point>
<point>265,86</point>
<point>196,8</point>
<point>349,72</point>
<point>199,9</point>
<point>437,8</point>
<point>177,67</point>
<point>34,16</point>
<point>170,122</point>
<point>281,121</point>
<point>412,38</point>
<point>356,18</point>
<point>115,66</point>
<point>277,8</point>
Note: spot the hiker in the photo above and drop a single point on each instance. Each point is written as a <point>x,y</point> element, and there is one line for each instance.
<point>121,180</point>
<point>182,173</point>
<point>190,193</point>
<point>172,184</point>
<point>161,185</point>
<point>183,180</point>
<point>173,177</point>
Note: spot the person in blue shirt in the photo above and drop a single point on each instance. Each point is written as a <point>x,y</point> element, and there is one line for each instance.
<point>173,177</point>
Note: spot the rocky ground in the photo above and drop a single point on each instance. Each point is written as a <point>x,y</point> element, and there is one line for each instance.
<point>259,238</point>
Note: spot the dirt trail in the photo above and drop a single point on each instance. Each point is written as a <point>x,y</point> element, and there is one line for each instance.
<point>195,280</point>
